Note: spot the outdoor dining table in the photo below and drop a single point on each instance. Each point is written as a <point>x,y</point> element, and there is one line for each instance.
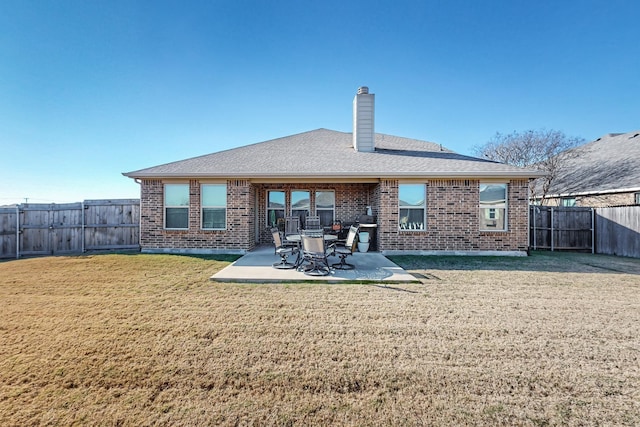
<point>297,238</point>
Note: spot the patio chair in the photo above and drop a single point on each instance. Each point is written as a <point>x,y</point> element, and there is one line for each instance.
<point>343,251</point>
<point>314,253</point>
<point>312,223</point>
<point>282,251</point>
<point>291,227</point>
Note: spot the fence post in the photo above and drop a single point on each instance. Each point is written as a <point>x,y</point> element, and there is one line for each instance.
<point>82,227</point>
<point>535,240</point>
<point>17,231</point>
<point>551,230</point>
<point>593,231</point>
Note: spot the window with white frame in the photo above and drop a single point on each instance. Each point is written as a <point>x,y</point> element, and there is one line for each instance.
<point>275,207</point>
<point>637,197</point>
<point>568,202</point>
<point>176,206</point>
<point>412,200</point>
<point>301,205</point>
<point>493,206</point>
<point>214,206</point>
<point>326,206</point>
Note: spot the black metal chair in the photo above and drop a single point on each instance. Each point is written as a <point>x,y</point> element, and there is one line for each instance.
<point>282,251</point>
<point>343,251</point>
<point>314,254</point>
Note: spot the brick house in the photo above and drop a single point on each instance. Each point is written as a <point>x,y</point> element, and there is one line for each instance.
<point>422,197</point>
<point>604,172</point>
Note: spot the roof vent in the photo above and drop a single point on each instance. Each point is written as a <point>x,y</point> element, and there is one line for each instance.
<point>363,90</point>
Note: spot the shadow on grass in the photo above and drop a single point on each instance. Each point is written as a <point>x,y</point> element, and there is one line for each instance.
<point>556,262</point>
<point>207,257</point>
<point>394,288</point>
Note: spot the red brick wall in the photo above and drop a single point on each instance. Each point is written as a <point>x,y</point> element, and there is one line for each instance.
<point>240,232</point>
<point>453,219</point>
<point>452,216</point>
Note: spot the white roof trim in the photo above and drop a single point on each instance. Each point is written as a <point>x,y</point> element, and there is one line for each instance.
<point>591,193</point>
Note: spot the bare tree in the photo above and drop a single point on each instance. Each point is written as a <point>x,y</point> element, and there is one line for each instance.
<point>545,150</point>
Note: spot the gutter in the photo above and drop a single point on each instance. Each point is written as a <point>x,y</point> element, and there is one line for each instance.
<point>343,176</point>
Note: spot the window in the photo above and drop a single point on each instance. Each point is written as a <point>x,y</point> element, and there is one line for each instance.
<point>568,201</point>
<point>300,205</point>
<point>493,207</point>
<point>214,206</point>
<point>413,206</point>
<point>275,207</point>
<point>637,197</point>
<point>325,207</point>
<point>176,206</point>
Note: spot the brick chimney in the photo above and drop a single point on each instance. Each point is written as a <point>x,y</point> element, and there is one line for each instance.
<point>363,114</point>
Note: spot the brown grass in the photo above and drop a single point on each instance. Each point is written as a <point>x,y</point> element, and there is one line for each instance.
<point>147,339</point>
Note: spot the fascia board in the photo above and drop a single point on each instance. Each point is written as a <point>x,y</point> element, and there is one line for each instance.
<point>344,176</point>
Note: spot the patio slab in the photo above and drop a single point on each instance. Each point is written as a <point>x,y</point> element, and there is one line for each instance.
<point>256,267</point>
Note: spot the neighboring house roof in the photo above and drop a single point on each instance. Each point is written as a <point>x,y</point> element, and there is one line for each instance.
<point>327,154</point>
<point>609,164</point>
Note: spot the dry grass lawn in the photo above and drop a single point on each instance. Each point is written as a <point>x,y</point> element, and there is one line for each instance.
<point>553,339</point>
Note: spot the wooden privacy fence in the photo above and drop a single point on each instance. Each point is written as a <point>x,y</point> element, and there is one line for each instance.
<point>560,228</point>
<point>55,229</point>
<point>618,231</point>
<point>611,231</point>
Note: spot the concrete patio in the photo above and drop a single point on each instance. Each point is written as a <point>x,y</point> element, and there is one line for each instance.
<point>256,267</point>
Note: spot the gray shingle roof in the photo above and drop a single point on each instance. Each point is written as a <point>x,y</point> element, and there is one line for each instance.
<point>611,162</point>
<point>324,153</point>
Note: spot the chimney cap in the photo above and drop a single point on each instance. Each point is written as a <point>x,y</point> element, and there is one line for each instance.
<point>363,90</point>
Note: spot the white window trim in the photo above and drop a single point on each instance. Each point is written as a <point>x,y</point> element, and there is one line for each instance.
<point>505,208</point>
<point>164,200</point>
<point>423,208</point>
<point>203,207</point>
<point>267,208</point>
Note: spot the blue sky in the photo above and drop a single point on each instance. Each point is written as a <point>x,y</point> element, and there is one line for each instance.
<point>91,89</point>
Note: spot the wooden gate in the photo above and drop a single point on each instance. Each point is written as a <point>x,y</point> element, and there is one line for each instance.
<point>50,229</point>
<point>561,228</point>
